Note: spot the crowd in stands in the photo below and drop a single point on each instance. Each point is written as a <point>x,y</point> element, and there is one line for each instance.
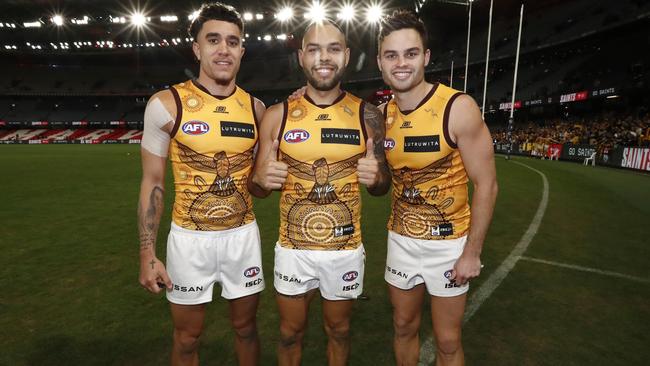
<point>605,132</point>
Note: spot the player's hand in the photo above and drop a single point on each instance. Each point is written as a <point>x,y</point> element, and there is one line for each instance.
<point>368,166</point>
<point>272,173</point>
<point>153,273</point>
<point>466,267</point>
<point>297,94</point>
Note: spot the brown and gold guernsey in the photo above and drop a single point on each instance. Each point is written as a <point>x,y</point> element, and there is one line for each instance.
<point>211,152</point>
<point>320,205</point>
<point>429,188</point>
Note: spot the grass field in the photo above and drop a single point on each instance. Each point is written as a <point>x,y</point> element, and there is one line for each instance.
<point>69,265</point>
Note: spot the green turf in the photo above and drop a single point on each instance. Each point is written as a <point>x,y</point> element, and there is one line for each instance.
<point>69,264</point>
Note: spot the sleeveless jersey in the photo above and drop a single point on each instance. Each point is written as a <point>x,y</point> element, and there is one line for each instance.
<point>320,204</point>
<point>429,184</point>
<point>211,153</point>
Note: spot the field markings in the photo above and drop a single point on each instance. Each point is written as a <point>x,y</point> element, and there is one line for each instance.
<point>587,269</point>
<point>428,349</point>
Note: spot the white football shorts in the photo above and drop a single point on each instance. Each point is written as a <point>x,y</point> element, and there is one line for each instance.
<point>410,262</point>
<point>198,259</point>
<point>337,273</point>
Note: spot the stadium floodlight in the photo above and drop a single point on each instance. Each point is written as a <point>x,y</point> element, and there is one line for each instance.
<point>138,19</point>
<point>169,18</point>
<point>346,13</point>
<point>57,20</point>
<point>267,37</point>
<point>285,14</point>
<point>35,24</point>
<point>374,13</point>
<point>316,12</point>
<point>281,36</point>
<point>248,16</point>
<point>193,15</point>
<point>259,16</point>
<point>2,25</point>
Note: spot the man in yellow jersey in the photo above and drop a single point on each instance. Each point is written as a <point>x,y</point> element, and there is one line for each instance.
<point>208,126</point>
<point>435,140</point>
<point>316,149</point>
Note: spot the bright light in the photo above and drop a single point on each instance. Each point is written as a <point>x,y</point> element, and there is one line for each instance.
<point>281,36</point>
<point>58,20</point>
<point>193,15</point>
<point>36,24</point>
<point>259,16</point>
<point>267,37</point>
<point>169,18</point>
<point>138,19</point>
<point>81,21</point>
<point>374,13</point>
<point>248,16</point>
<point>315,13</point>
<point>346,13</point>
<point>285,14</point>
<point>118,20</point>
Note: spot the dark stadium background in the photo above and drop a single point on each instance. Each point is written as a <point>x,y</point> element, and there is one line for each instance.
<point>71,120</point>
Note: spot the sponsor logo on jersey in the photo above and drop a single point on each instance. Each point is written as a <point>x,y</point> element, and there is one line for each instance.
<point>350,276</point>
<point>237,129</point>
<point>296,135</point>
<point>350,287</point>
<point>252,272</point>
<point>389,144</point>
<point>323,117</point>
<point>344,230</point>
<point>442,230</point>
<point>195,127</point>
<point>340,136</point>
<point>254,282</point>
<point>422,143</point>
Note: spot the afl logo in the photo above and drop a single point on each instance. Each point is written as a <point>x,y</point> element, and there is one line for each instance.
<point>389,144</point>
<point>252,272</point>
<point>350,276</point>
<point>448,274</point>
<point>295,136</point>
<point>195,127</point>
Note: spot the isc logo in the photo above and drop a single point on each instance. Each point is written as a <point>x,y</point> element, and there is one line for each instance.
<point>350,276</point>
<point>389,144</point>
<point>252,272</point>
<point>195,127</point>
<point>295,136</point>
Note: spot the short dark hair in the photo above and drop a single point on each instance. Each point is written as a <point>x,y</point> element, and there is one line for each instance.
<point>402,19</point>
<point>215,11</point>
<point>330,21</point>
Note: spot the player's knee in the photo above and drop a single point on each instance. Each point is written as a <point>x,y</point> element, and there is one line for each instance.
<point>448,345</point>
<point>245,329</point>
<point>405,325</point>
<point>338,330</point>
<point>187,341</point>
<point>290,336</point>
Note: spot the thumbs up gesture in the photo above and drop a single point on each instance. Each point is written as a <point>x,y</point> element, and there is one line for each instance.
<point>368,166</point>
<point>272,173</point>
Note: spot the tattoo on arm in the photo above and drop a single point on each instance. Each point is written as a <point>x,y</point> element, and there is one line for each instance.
<point>149,219</point>
<point>376,128</point>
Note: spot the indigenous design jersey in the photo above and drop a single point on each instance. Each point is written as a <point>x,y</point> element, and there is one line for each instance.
<point>429,188</point>
<point>320,203</point>
<point>212,155</point>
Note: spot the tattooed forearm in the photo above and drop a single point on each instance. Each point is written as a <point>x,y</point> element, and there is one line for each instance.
<point>149,218</point>
<point>376,128</point>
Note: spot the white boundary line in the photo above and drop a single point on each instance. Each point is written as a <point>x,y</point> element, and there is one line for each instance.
<point>428,349</point>
<point>587,269</point>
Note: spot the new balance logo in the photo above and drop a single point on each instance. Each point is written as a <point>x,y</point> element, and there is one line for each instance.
<point>323,117</point>
<point>221,109</point>
<point>406,124</point>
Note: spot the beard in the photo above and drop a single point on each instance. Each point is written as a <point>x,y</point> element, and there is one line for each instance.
<point>324,85</point>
